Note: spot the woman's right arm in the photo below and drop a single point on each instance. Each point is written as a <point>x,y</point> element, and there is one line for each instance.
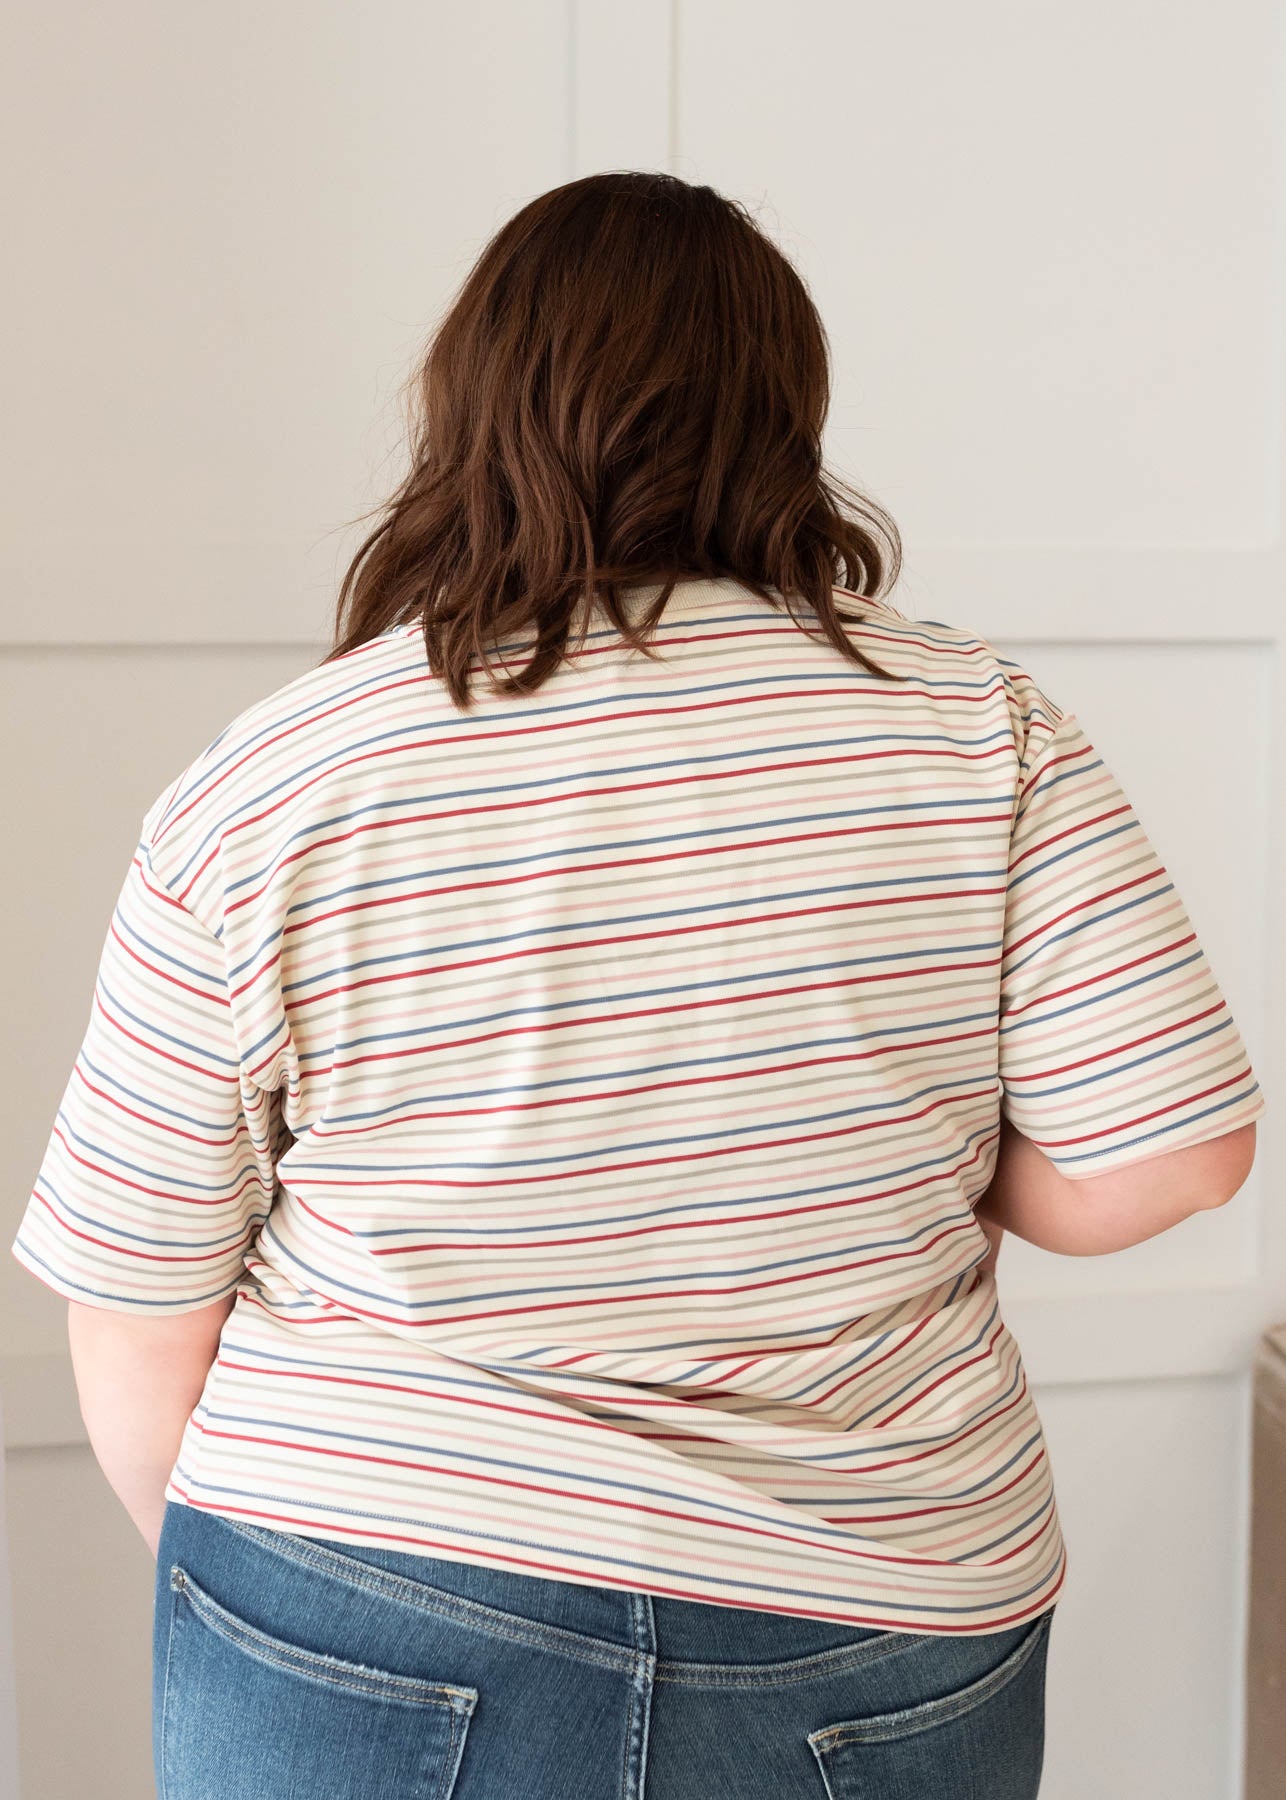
<point>1091,1215</point>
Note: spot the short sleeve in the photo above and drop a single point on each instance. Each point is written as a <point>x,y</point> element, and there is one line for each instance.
<point>1116,1042</point>
<point>159,1168</point>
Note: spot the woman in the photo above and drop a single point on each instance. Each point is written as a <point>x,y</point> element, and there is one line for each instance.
<point>559,1072</point>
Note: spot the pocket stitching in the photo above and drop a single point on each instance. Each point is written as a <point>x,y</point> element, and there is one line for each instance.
<point>479,1616</point>
<point>887,1726</point>
<point>315,1664</point>
<point>454,1751</point>
<point>412,1591</point>
<point>164,1771</point>
<point>818,1665</point>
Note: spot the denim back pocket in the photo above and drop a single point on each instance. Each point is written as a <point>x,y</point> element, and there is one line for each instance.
<point>248,1714</point>
<point>981,1741</point>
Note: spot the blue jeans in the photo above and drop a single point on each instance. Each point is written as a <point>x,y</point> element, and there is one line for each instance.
<point>296,1666</point>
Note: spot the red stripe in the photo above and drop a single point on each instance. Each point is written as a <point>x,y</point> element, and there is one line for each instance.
<point>154,1049</point>
<point>115,1178</point>
<point>1120,1049</point>
<point>1038,770</point>
<point>755,1216</point>
<point>152,1121</point>
<point>943,1506</point>
<point>830,908</point>
<point>301,1181</point>
<point>115,1248</point>
<point>650,1298</point>
<point>603,1578</point>
<point>950,1375</point>
<point>672,1009</point>
<point>650,860</point>
<point>1144,1118</point>
<point>599,1094</point>
<point>611,1502</point>
<point>503,733</point>
<point>1073,830</point>
<point>1076,987</point>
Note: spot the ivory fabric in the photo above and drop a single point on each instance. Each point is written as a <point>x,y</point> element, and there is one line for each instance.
<point>584,1098</point>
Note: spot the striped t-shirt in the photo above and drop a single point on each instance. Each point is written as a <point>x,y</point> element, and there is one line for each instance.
<point>584,1097</point>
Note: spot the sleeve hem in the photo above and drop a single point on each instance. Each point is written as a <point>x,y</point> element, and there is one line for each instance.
<point>1204,1131</point>
<point>62,1284</point>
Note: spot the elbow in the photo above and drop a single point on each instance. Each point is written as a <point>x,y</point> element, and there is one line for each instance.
<point>1127,1206</point>
<point>1232,1159</point>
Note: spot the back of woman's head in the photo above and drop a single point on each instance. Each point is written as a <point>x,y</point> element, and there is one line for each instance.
<point>629,388</point>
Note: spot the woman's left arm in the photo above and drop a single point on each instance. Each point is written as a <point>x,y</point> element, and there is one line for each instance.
<point>138,1380</point>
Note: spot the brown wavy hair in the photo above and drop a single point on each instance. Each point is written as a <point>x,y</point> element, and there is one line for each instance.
<point>629,387</point>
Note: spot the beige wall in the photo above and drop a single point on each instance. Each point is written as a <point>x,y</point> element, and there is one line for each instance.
<point>1047,244</point>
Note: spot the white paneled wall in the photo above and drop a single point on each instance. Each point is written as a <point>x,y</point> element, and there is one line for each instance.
<point>1047,243</point>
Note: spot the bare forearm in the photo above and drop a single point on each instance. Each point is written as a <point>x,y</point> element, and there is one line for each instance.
<point>1029,1196</point>
<point>137,1382</point>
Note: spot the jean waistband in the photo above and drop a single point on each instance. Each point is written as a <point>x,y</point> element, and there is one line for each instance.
<point>685,1640</point>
